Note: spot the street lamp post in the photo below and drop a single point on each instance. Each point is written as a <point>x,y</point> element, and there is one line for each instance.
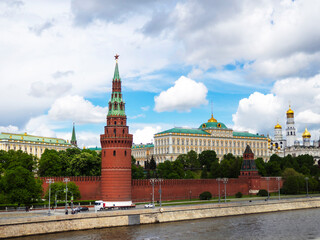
<point>160,190</point>
<point>218,180</point>
<point>279,179</point>
<point>152,180</point>
<point>225,180</point>
<point>50,180</point>
<point>306,178</point>
<point>66,180</point>
<point>268,186</point>
<point>55,198</point>
<point>190,194</point>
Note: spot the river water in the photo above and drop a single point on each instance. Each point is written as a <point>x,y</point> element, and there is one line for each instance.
<point>299,224</point>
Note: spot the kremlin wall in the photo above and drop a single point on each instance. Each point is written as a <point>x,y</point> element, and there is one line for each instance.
<point>174,189</point>
<point>116,184</point>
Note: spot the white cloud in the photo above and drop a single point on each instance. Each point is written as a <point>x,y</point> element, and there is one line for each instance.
<point>76,108</point>
<point>9,129</point>
<point>257,113</point>
<point>260,112</point>
<point>308,116</point>
<point>146,108</point>
<point>184,95</point>
<point>145,135</point>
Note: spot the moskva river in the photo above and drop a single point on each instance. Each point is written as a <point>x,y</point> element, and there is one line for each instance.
<point>300,224</point>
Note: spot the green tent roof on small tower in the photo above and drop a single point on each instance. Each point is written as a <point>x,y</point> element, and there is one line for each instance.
<point>73,138</point>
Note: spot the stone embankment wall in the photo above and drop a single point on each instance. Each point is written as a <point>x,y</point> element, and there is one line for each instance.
<point>174,189</point>
<point>54,224</point>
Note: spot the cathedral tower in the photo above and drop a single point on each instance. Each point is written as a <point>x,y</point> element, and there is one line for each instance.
<point>306,138</point>
<point>291,131</point>
<point>116,145</point>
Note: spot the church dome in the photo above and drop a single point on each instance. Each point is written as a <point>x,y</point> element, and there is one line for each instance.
<point>290,112</point>
<point>278,126</point>
<point>213,123</point>
<point>212,119</point>
<point>306,134</point>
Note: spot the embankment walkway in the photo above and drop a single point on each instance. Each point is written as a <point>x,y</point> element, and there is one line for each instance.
<point>61,223</point>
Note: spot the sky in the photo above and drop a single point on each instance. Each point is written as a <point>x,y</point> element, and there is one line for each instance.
<point>180,60</point>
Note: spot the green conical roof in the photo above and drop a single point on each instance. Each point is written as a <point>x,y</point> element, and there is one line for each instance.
<point>73,138</point>
<point>116,72</point>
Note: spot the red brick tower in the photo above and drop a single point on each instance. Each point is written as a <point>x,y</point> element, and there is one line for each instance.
<point>116,145</point>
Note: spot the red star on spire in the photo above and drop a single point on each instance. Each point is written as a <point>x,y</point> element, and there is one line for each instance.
<point>116,57</point>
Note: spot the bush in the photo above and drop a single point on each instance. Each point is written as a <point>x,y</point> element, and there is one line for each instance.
<point>238,195</point>
<point>262,193</point>
<point>205,196</point>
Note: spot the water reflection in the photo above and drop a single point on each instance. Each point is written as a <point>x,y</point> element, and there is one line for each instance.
<point>301,224</point>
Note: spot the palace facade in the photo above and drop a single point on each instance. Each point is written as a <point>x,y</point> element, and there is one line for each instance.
<point>31,144</point>
<point>212,135</point>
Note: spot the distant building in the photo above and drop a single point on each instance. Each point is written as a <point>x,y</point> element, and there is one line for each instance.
<point>142,153</point>
<point>212,135</point>
<point>291,145</point>
<point>30,144</point>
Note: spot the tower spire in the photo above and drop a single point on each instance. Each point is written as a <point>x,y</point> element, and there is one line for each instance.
<point>116,104</point>
<point>73,138</point>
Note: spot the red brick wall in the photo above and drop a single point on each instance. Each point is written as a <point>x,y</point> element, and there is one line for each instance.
<point>89,186</point>
<point>173,189</point>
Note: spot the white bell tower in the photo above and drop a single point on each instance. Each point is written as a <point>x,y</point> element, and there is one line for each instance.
<point>291,130</point>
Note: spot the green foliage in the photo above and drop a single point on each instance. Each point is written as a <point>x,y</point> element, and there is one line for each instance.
<point>20,186</point>
<point>205,196</point>
<point>206,158</point>
<point>59,188</point>
<point>152,163</point>
<point>239,195</point>
<point>303,164</point>
<point>137,172</point>
<point>72,162</point>
<point>204,173</point>
<point>17,181</point>
<point>262,193</point>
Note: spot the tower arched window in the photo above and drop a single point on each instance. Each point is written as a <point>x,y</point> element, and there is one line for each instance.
<point>114,152</point>
<point>115,106</point>
<point>115,122</point>
<point>114,131</point>
<point>123,131</point>
<point>125,153</point>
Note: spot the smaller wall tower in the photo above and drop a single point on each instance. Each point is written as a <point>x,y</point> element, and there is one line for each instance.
<point>291,130</point>
<point>248,167</point>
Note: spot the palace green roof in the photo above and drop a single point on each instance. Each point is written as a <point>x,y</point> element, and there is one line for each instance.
<point>95,149</point>
<point>208,125</point>
<point>185,131</point>
<point>30,138</point>
<point>246,134</point>
<point>142,146</point>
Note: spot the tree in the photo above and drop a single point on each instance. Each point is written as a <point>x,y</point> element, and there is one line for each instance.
<point>20,186</point>
<point>85,164</point>
<point>207,157</point>
<point>215,170</point>
<point>153,164</point>
<point>261,166</point>
<point>59,188</point>
<point>50,164</point>
<point>192,160</point>
<point>137,172</point>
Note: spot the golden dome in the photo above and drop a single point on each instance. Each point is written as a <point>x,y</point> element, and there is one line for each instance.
<point>306,134</point>
<point>269,140</point>
<point>278,126</point>
<point>212,119</point>
<point>290,112</point>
